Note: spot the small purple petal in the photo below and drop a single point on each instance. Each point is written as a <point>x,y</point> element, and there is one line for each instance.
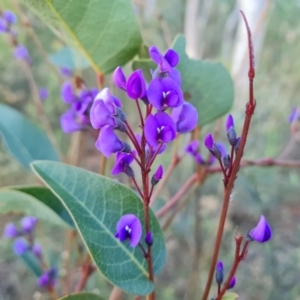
<point>209,142</point>
<point>9,16</point>
<point>262,232</point>
<point>108,142</point>
<point>136,233</point>
<point>43,94</point>
<point>11,231</point>
<point>68,122</point>
<point>28,223</point>
<point>155,93</point>
<point>160,60</point>
<point>172,57</point>
<point>44,280</point>
<point>232,283</point>
<point>119,78</point>
<point>220,265</point>
<point>159,173</point>
<point>136,85</point>
<point>193,148</point>
<point>229,122</point>
<point>66,72</point>
<point>20,246</point>
<point>176,76</point>
<point>66,93</point>
<point>149,239</point>
<point>185,117</point>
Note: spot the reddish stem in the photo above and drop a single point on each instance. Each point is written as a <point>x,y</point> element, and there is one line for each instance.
<point>137,187</point>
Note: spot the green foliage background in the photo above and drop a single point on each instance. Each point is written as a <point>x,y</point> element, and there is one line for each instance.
<point>271,271</point>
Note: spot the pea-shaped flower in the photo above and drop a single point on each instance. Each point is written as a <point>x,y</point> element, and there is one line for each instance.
<point>122,165</point>
<point>11,231</point>
<point>20,246</point>
<point>262,232</point>
<point>165,62</point>
<point>136,85</point>
<point>129,227</point>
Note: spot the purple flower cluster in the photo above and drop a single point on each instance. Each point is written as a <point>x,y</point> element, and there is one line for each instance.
<point>77,116</point>
<point>23,236</point>
<point>7,19</point>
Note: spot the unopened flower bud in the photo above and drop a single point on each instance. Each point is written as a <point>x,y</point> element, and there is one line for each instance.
<point>219,273</point>
<point>226,161</point>
<point>20,246</point>
<point>28,224</point>
<point>237,144</point>
<point>157,175</point>
<point>11,231</point>
<point>119,78</point>
<point>149,239</point>
<point>232,283</point>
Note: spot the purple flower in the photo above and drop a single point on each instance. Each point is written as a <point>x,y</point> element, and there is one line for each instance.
<point>10,17</point>
<point>122,165</point>
<point>216,149</point>
<point>192,148</point>
<point>20,246</point>
<point>67,93</point>
<point>119,78</point>
<point>159,128</point>
<point>21,52</point>
<point>69,122</point>
<point>157,176</point>
<point>164,93</point>
<point>11,231</point>
<point>108,142</point>
<point>232,283</point>
<point>105,111</point>
<point>262,232</point>
<point>165,62</point>
<point>294,115</point>
<point>37,250</point>
<point>219,272</point>
<point>129,227</point>
<point>185,117</point>
<point>66,72</point>
<point>28,224</point>
<point>149,239</point>
<point>43,94</point>
<point>48,278</point>
<point>231,134</point>
<point>136,85</point>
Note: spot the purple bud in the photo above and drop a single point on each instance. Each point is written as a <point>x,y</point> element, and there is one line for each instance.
<point>10,17</point>
<point>20,246</point>
<point>231,134</point>
<point>185,117</point>
<point>149,239</point>
<point>66,72</point>
<point>232,283</point>
<point>22,53</point>
<point>119,78</point>
<point>67,93</point>
<point>172,57</point>
<point>262,232</point>
<point>226,161</point>
<point>136,85</point>
<point>192,148</point>
<point>157,176</point>
<point>11,231</point>
<point>216,149</point>
<point>129,227</point>
<point>28,224</point>
<point>43,94</point>
<point>48,278</point>
<point>229,122</point>
<point>219,272</point>
<point>209,142</point>
<point>37,250</point>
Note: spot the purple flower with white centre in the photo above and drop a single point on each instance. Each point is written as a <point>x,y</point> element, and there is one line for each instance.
<point>67,93</point>
<point>129,227</point>
<point>37,250</point>
<point>21,52</point>
<point>157,176</point>
<point>185,117</point>
<point>231,134</point>
<point>69,122</point>
<point>262,232</point>
<point>122,165</point>
<point>43,92</point>
<point>219,272</point>
<point>28,224</point>
<point>232,283</point>
<point>136,85</point>
<point>11,231</point>
<point>159,128</point>
<point>66,72</point>
<point>149,239</point>
<point>119,79</point>
<point>216,149</point>
<point>48,278</point>
<point>165,62</point>
<point>10,17</point>
<point>20,246</point>
<point>109,143</point>
<point>192,148</point>
<point>164,93</point>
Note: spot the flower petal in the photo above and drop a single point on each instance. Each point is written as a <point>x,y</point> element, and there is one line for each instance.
<point>172,57</point>
<point>151,133</point>
<point>155,93</point>
<point>136,233</point>
<point>136,85</point>
<point>68,122</point>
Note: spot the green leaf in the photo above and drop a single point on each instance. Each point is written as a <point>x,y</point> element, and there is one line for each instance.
<point>96,203</point>
<point>106,32</point>
<point>32,263</point>
<point>146,65</point>
<point>230,296</point>
<point>14,201</point>
<point>69,58</point>
<point>207,85</point>
<point>23,139</point>
<point>82,296</point>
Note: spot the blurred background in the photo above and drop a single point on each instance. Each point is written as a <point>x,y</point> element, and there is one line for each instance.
<point>214,31</point>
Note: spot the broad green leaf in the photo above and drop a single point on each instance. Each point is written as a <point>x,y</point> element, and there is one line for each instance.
<point>24,140</point>
<point>106,32</point>
<point>207,85</point>
<point>69,58</point>
<point>82,296</point>
<point>230,296</point>
<point>45,196</point>
<point>14,201</point>
<point>146,65</point>
<point>96,203</point>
